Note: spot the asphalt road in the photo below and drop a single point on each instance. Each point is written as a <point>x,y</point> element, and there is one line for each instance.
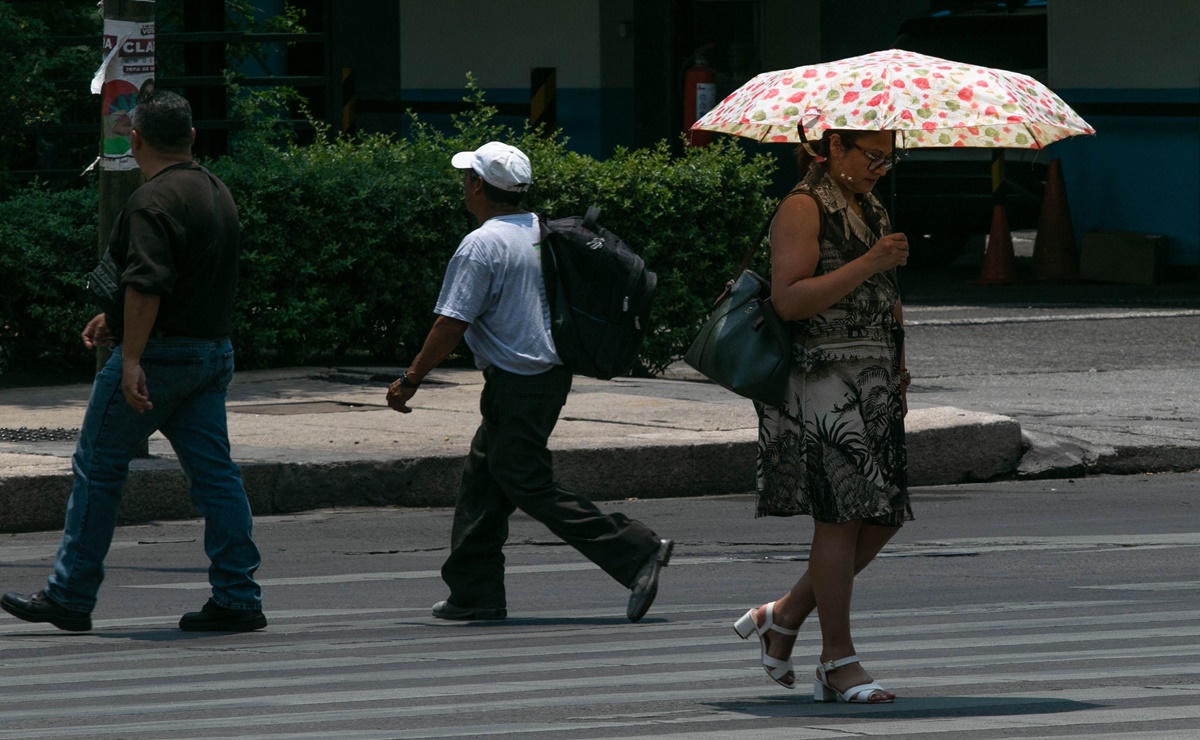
<point>1044,609</point>
<point>1103,378</point>
<point>983,340</point>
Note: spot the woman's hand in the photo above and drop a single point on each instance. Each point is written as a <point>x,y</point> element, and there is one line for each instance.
<point>890,251</point>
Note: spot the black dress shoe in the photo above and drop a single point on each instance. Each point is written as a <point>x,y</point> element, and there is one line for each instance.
<point>645,586</point>
<point>215,618</point>
<point>39,608</point>
<point>446,610</point>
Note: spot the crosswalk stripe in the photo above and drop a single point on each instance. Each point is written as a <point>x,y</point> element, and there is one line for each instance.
<point>547,648</point>
<point>918,549</point>
<point>1110,668</point>
<point>509,654</point>
<point>315,671</point>
<point>1054,703</point>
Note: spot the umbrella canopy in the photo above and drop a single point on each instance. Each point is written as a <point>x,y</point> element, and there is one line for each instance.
<point>929,102</point>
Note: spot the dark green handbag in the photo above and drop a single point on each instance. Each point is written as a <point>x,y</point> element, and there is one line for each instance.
<point>744,346</point>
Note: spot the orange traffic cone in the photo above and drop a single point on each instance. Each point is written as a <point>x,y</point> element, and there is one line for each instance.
<point>999,263</point>
<point>1054,255</point>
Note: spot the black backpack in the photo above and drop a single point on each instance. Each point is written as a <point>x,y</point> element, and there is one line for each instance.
<point>599,293</point>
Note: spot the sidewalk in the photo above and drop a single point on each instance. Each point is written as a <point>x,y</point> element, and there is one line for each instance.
<point>321,437</point>
<point>312,437</point>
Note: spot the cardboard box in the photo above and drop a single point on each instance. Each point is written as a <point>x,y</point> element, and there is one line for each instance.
<point>1122,257</point>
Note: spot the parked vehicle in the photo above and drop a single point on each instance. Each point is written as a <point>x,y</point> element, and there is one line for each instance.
<point>944,196</point>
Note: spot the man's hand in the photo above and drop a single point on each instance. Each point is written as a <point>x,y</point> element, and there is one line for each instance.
<point>96,333</point>
<point>441,341</point>
<point>398,396</point>
<point>133,385</point>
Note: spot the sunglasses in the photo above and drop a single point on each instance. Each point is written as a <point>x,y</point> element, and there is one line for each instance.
<point>878,162</point>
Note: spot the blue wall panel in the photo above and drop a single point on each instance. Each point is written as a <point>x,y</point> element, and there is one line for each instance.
<point>1139,173</point>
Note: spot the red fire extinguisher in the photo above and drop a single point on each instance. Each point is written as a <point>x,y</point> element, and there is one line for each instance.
<point>699,96</point>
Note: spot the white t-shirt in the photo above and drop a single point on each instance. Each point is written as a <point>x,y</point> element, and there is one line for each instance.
<point>494,282</point>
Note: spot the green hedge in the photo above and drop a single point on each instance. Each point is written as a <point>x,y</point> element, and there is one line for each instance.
<point>345,242</point>
<point>48,243</point>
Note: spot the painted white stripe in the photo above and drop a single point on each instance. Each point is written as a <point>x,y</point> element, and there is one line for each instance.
<point>264,643</point>
<point>505,645</point>
<point>563,688</point>
<point>919,549</point>
<point>1043,318</point>
<point>1171,586</point>
<point>1165,671</point>
<point>1055,677</point>
<point>324,673</point>
<point>17,553</point>
<point>420,574</point>
<point>1056,705</point>
<point>952,727</point>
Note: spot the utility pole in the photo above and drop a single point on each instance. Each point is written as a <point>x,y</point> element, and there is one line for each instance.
<point>128,69</point>
<point>126,72</point>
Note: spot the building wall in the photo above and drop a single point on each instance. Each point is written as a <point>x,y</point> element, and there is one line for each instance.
<point>1115,44</point>
<point>1133,71</point>
<point>791,33</point>
<point>588,42</point>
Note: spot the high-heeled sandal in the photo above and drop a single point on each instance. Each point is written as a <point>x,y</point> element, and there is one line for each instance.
<point>860,694</point>
<point>777,669</point>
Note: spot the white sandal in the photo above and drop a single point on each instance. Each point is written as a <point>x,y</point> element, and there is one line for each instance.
<point>777,669</point>
<point>860,694</point>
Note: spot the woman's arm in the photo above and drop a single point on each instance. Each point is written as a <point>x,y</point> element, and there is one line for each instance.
<point>796,290</point>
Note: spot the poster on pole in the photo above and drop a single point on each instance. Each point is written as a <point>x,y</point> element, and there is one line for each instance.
<point>127,69</point>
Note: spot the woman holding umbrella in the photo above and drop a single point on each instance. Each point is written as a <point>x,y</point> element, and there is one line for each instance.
<point>835,450</point>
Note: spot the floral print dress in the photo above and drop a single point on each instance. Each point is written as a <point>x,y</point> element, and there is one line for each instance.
<point>836,450</point>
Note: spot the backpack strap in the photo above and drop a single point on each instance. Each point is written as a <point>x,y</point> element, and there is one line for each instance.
<point>590,218</point>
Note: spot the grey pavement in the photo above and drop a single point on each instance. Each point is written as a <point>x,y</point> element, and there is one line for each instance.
<point>317,437</point>
<point>310,437</point>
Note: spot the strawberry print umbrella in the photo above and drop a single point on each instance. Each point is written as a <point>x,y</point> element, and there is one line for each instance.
<point>929,102</point>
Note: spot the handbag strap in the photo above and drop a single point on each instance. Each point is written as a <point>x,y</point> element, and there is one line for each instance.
<point>746,260</point>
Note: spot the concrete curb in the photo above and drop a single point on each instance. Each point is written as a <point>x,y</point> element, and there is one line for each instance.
<point>632,438</point>
<point>951,445</point>
<point>980,446</point>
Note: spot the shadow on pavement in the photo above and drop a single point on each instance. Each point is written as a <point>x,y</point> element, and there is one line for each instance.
<point>904,708</point>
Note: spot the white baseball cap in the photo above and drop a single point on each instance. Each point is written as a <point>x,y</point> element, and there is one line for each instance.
<point>499,164</point>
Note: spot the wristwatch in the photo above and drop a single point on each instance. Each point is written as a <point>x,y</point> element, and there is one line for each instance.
<point>406,383</point>
<point>905,377</point>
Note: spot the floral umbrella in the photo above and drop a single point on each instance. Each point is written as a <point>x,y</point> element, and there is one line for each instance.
<point>929,102</point>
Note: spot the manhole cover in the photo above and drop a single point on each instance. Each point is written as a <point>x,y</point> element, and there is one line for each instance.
<point>305,407</point>
<point>40,434</point>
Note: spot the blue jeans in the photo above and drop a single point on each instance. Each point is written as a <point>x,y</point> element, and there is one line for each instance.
<point>187,380</point>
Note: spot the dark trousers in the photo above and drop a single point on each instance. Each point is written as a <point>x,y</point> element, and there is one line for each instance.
<point>509,468</point>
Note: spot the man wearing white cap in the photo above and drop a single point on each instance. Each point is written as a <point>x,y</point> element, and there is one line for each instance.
<point>494,296</point>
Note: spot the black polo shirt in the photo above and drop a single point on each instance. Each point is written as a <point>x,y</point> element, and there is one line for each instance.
<point>178,238</point>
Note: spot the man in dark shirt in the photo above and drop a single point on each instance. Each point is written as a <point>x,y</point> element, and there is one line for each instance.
<point>176,246</point>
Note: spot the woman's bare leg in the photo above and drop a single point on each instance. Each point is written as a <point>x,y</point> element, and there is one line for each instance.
<point>831,542</point>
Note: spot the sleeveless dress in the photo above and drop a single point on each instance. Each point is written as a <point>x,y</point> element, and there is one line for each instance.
<point>835,450</point>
